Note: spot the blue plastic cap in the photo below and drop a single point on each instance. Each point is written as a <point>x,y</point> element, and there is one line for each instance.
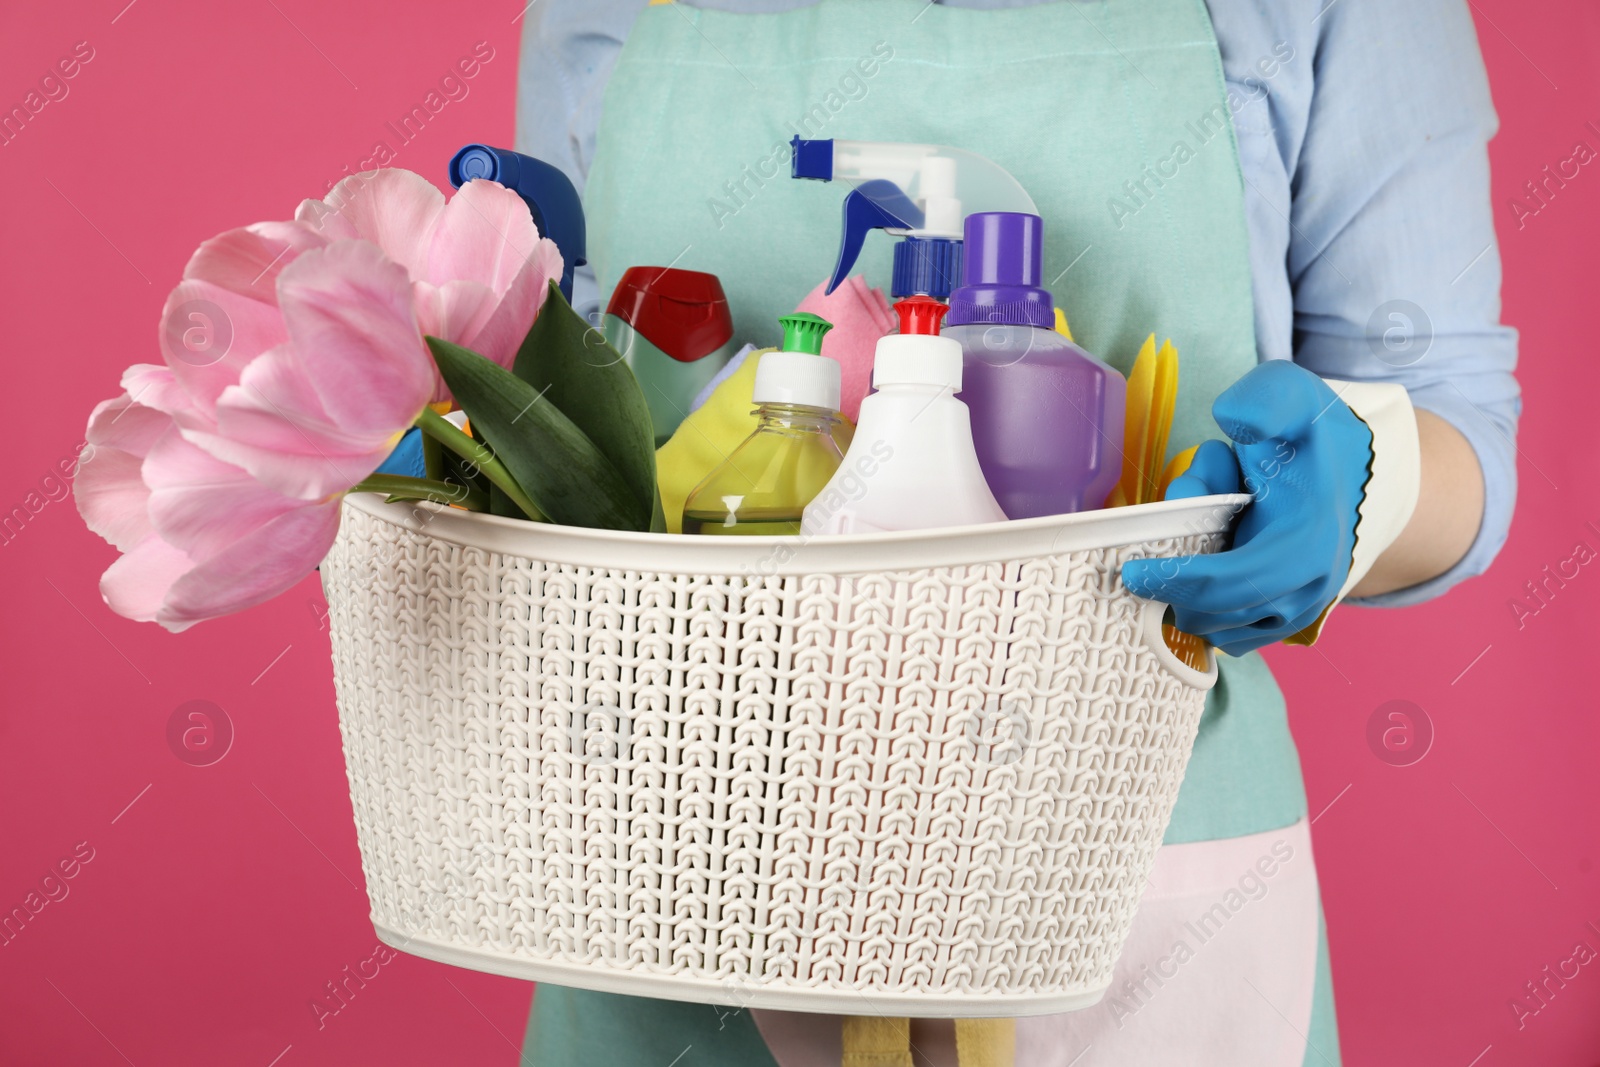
<point>812,159</point>
<point>557,209</point>
<point>875,205</point>
<point>926,265</point>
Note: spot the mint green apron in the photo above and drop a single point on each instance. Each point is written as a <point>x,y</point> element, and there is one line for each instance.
<point>1113,115</point>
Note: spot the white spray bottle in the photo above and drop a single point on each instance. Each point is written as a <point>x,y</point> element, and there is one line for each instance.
<point>918,193</point>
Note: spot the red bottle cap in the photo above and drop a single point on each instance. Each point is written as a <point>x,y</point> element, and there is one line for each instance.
<point>682,312</point>
<point>920,315</point>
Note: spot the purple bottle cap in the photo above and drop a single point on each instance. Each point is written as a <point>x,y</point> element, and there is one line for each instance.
<point>1001,267</point>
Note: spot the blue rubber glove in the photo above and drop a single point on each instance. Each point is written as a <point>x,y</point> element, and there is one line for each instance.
<point>1306,457</point>
<point>406,458</point>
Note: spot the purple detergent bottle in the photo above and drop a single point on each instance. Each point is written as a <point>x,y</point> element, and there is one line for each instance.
<point>1046,415</point>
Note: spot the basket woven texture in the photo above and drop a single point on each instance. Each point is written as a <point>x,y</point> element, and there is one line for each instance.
<point>931,791</point>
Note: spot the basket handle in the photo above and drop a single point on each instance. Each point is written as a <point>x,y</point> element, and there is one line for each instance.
<point>1151,612</point>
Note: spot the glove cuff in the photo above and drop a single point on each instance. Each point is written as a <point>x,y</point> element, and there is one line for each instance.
<point>1393,482</point>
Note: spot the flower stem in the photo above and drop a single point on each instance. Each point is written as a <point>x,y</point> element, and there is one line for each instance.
<point>479,456</point>
<point>399,487</point>
<point>432,457</point>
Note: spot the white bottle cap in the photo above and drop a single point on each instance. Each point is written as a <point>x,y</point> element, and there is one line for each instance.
<point>798,378</point>
<point>917,359</point>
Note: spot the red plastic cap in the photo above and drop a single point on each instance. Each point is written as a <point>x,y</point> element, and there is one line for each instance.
<point>682,312</point>
<point>920,315</point>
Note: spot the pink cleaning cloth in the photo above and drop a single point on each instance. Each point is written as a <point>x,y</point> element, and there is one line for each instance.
<point>860,315</point>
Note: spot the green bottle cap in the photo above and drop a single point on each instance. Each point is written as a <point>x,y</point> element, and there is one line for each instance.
<point>803,332</point>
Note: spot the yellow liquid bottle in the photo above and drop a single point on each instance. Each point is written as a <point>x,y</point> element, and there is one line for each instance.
<point>764,486</point>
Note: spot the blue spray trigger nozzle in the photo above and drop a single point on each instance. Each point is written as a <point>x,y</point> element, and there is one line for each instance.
<point>550,195</point>
<point>873,205</point>
<point>811,158</point>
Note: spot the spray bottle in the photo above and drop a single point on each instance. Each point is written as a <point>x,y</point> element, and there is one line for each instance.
<point>557,212</point>
<point>550,195</point>
<point>918,193</point>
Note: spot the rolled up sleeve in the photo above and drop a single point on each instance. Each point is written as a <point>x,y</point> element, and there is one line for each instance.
<point>1393,258</point>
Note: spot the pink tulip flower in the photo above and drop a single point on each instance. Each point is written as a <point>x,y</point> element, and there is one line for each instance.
<point>203,535</point>
<point>294,362</point>
<point>479,272</point>
<point>200,537</point>
<point>316,414</point>
<point>479,269</point>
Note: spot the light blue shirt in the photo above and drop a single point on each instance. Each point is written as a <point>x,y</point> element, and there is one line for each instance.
<point>1363,142</point>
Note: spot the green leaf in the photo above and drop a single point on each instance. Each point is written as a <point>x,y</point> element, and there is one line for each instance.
<point>556,464</point>
<point>396,487</point>
<point>573,366</point>
<point>480,455</point>
<point>453,467</point>
<point>499,502</point>
<point>434,462</point>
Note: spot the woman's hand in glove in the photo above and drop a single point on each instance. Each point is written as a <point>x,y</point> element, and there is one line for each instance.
<point>1305,457</point>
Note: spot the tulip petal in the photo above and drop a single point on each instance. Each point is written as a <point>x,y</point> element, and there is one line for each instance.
<point>502,335</point>
<point>269,561</point>
<point>209,335</point>
<point>397,210</point>
<point>201,505</point>
<point>325,220</point>
<point>110,494</point>
<point>456,311</point>
<point>136,585</point>
<point>348,309</point>
<point>247,261</point>
<point>485,234</point>
<point>274,425</point>
<point>112,499</point>
<point>126,425</point>
<point>154,385</point>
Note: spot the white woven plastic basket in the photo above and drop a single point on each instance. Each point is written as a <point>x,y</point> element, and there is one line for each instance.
<point>923,773</point>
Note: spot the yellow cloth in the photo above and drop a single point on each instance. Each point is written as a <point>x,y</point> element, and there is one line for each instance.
<point>1061,324</point>
<point>881,1041</point>
<point>986,1042</point>
<point>876,1041</point>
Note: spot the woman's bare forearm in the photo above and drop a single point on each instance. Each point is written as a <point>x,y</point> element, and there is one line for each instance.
<point>1449,510</point>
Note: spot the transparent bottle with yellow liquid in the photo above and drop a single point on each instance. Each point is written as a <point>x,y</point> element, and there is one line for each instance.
<point>765,485</point>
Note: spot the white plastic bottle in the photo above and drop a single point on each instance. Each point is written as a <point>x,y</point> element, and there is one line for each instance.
<point>911,465</point>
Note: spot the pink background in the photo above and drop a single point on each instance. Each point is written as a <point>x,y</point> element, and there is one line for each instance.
<point>221,899</point>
